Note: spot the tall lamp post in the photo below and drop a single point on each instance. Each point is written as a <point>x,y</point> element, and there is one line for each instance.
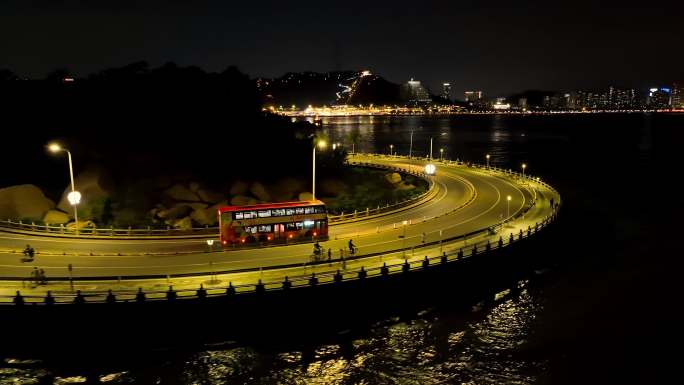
<point>320,143</point>
<point>524,166</point>
<point>488,161</point>
<point>441,154</point>
<point>74,197</point>
<point>391,149</point>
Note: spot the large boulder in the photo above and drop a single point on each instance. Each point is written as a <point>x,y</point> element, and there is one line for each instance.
<point>240,200</point>
<point>305,196</point>
<point>178,211</point>
<point>393,177</point>
<point>85,224</point>
<point>183,224</point>
<point>259,191</point>
<point>205,217</point>
<point>209,196</point>
<point>55,217</point>
<point>178,192</point>
<point>95,186</point>
<point>24,202</point>
<point>286,189</point>
<point>239,188</point>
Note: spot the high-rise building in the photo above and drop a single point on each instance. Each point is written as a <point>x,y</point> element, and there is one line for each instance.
<point>473,96</point>
<point>677,99</point>
<point>659,98</point>
<point>446,91</point>
<point>413,92</point>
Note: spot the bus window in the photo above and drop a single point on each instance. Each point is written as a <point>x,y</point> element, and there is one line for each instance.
<point>250,214</point>
<point>265,228</point>
<point>238,215</point>
<point>308,210</point>
<point>299,210</point>
<point>264,213</point>
<point>289,211</point>
<point>278,212</point>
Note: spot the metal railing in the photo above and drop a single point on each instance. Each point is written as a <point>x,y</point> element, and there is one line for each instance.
<point>337,275</point>
<point>201,232</point>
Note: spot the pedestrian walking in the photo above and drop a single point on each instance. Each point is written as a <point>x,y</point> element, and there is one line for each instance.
<point>329,254</point>
<point>42,277</point>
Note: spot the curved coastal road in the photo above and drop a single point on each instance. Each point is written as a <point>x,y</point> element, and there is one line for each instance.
<point>466,200</point>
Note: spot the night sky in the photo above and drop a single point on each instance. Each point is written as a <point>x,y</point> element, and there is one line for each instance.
<point>499,47</point>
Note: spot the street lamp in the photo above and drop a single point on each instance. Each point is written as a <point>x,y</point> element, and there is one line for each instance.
<point>441,154</point>
<point>430,169</point>
<point>391,149</point>
<point>524,166</point>
<point>74,197</point>
<point>320,143</point>
<point>487,160</point>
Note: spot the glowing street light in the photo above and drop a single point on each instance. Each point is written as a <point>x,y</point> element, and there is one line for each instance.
<point>441,154</point>
<point>321,144</point>
<point>74,197</point>
<point>524,166</point>
<point>391,149</point>
<point>487,160</point>
<point>430,169</point>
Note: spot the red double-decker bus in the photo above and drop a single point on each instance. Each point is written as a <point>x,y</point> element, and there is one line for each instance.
<point>273,223</point>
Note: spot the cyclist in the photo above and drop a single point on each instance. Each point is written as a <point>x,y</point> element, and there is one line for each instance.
<point>351,247</point>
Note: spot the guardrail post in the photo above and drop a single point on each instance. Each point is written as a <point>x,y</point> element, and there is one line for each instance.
<point>536,226</point>
<point>79,299</point>
<point>406,267</point>
<point>130,230</point>
<point>367,211</point>
<point>230,290</point>
<point>520,235</point>
<point>500,241</point>
<point>140,296</point>
<point>338,277</point>
<point>460,253</point>
<point>426,262</point>
<point>33,226</point>
<point>313,281</point>
<point>287,284</point>
<point>111,298</point>
<point>384,270</point>
<point>260,288</point>
<point>49,299</point>
<point>61,228</point>
<point>354,213</point>
<point>443,259</point>
<point>111,231</point>
<point>149,230</point>
<point>474,250</point>
<point>201,292</point>
<point>489,246</point>
<point>529,231</point>
<point>362,273</point>
<point>171,294</point>
<point>511,239</point>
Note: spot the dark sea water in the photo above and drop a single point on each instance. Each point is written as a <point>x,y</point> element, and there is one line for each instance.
<point>603,309</point>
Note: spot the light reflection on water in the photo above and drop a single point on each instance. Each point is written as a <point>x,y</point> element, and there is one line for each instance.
<point>478,349</point>
<point>440,348</point>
